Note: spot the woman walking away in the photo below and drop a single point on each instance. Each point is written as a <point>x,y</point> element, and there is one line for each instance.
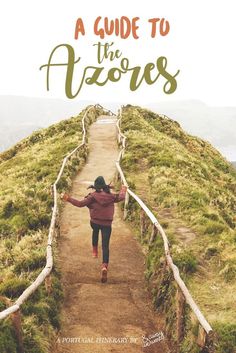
<point>101,207</point>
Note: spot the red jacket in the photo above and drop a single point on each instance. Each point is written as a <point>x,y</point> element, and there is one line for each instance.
<point>101,205</point>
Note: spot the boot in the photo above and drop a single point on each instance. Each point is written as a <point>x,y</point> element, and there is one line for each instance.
<point>104,272</point>
<point>95,251</point>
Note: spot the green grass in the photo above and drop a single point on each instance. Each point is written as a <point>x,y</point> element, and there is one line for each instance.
<point>187,184</point>
<point>27,171</point>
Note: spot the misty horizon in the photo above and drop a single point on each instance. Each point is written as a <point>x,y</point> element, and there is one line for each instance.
<point>21,115</point>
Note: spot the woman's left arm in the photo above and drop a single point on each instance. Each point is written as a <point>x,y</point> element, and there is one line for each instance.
<point>121,195</point>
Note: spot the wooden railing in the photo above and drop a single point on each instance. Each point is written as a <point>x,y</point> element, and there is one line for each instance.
<point>44,274</point>
<point>107,110</point>
<point>205,333</point>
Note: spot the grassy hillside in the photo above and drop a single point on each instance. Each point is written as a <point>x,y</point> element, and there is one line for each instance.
<point>27,171</point>
<point>192,190</point>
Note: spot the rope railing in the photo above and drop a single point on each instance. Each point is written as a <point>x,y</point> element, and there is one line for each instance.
<point>205,332</point>
<point>49,255</point>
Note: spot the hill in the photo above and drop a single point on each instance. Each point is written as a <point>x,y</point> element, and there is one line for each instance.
<point>27,171</point>
<point>215,124</point>
<point>20,116</point>
<point>191,189</point>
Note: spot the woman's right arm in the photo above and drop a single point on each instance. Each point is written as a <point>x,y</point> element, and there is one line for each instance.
<point>79,203</point>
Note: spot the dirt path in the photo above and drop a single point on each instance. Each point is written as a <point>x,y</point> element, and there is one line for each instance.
<point>93,313</point>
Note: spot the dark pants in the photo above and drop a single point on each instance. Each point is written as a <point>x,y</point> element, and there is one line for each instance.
<point>106,233</point>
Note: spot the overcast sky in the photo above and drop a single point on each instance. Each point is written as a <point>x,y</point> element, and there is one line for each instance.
<point>201,44</point>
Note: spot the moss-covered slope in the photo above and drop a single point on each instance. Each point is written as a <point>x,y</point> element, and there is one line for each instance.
<point>192,190</point>
<point>27,172</point>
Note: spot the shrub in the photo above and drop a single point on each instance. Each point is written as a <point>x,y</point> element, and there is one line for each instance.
<point>193,200</point>
<point>226,337</point>
<point>35,340</point>
<point>8,154</point>
<point>44,220</point>
<point>229,272</point>
<point>186,261</point>
<point>8,342</point>
<point>34,262</point>
<point>62,184</point>
<point>13,288</point>
<point>39,310</point>
<point>33,222</point>
<point>211,251</point>
<point>8,209</point>
<point>5,228</point>
<point>212,216</point>
<point>43,173</point>
<point>35,137</point>
<point>228,219</point>
<point>19,222</point>
<point>53,312</point>
<point>214,228</point>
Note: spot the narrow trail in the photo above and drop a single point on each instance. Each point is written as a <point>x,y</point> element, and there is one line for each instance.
<point>122,307</point>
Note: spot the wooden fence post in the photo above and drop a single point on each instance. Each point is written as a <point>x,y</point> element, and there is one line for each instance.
<point>122,153</point>
<point>116,177</point>
<point>153,234</point>
<point>118,137</point>
<point>205,341</point>
<point>180,312</point>
<point>57,226</point>
<point>48,284</point>
<point>16,322</point>
<point>126,205</point>
<point>201,339</point>
<point>142,222</point>
<point>209,342</point>
<point>162,282</point>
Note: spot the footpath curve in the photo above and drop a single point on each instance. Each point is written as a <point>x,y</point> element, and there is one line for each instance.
<point>94,313</point>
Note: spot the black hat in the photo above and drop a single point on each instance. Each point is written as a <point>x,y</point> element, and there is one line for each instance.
<point>99,183</point>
